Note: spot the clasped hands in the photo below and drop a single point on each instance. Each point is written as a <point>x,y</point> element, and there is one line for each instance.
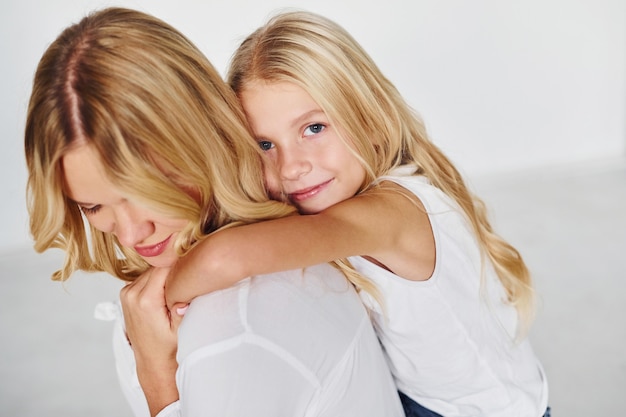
<point>150,327</point>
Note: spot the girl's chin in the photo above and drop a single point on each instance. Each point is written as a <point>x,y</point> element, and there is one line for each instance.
<point>311,207</point>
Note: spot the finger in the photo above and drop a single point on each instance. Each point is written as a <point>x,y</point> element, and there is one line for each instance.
<point>157,279</point>
<point>149,291</point>
<point>176,316</point>
<point>168,290</point>
<point>154,291</point>
<point>180,308</point>
<point>138,283</point>
<point>132,292</point>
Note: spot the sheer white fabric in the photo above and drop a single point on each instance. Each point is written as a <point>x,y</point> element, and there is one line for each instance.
<point>297,343</point>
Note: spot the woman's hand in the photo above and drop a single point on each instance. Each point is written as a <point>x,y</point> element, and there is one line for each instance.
<point>152,333</point>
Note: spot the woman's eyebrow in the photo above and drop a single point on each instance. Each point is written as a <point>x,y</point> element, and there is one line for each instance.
<point>79,202</point>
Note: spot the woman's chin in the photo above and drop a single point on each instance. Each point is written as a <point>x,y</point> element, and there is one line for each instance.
<point>162,261</point>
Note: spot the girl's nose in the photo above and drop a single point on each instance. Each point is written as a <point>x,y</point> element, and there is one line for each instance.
<point>293,165</point>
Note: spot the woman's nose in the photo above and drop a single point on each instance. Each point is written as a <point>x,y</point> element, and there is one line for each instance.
<point>131,227</point>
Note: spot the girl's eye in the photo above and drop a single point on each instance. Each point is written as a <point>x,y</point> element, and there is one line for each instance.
<point>265,145</point>
<point>90,210</point>
<point>314,129</point>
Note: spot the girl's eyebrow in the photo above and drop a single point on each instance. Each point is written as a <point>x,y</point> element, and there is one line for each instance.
<point>298,120</point>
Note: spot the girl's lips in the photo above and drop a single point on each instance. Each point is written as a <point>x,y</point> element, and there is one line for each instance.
<point>154,250</point>
<point>307,193</point>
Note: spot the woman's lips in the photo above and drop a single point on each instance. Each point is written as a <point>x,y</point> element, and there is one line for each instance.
<point>307,193</point>
<point>153,250</point>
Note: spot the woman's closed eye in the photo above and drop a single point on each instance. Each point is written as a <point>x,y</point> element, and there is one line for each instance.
<point>314,129</point>
<point>87,211</point>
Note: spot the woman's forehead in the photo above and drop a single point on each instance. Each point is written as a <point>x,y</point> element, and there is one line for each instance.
<point>85,178</point>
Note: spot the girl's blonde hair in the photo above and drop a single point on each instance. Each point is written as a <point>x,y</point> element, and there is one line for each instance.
<point>319,56</point>
<point>163,122</point>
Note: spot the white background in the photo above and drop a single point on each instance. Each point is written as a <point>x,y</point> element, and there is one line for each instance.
<point>514,91</point>
<point>502,85</point>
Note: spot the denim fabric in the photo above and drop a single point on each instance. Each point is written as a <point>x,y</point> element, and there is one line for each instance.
<point>413,409</point>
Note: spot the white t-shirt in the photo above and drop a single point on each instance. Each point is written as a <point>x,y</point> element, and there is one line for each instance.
<point>450,340</point>
<point>297,343</point>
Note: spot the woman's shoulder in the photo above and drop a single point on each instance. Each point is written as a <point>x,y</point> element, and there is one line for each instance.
<point>289,308</point>
<point>311,294</point>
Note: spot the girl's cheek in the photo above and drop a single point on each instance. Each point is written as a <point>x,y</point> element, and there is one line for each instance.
<point>275,191</point>
<point>273,184</point>
<point>278,196</point>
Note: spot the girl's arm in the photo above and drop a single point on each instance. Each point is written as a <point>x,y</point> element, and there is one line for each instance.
<point>386,224</point>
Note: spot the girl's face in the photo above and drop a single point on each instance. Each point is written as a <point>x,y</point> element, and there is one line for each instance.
<point>150,234</point>
<point>307,163</point>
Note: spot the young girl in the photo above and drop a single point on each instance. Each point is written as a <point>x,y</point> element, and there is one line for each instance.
<point>450,300</point>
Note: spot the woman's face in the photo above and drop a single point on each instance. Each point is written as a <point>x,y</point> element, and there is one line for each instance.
<point>150,234</point>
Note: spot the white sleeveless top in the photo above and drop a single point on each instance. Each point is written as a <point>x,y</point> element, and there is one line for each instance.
<point>450,341</point>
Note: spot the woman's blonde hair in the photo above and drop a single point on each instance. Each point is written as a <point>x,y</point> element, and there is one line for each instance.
<point>319,56</point>
<point>163,122</point>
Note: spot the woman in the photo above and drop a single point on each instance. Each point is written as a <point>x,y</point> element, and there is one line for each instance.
<point>130,128</point>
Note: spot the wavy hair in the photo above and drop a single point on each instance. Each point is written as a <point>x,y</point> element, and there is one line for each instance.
<point>163,122</point>
<point>384,132</point>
